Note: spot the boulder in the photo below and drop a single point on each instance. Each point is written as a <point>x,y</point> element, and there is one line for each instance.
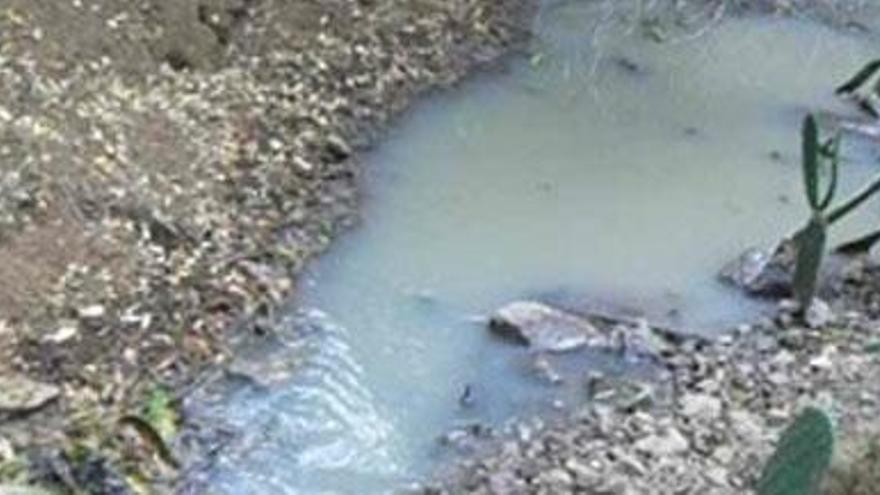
<point>542,327</point>
<point>19,394</point>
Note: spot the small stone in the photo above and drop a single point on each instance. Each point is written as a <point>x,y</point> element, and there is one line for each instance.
<point>545,371</point>
<point>724,454</point>
<point>63,334</point>
<point>819,314</point>
<point>658,446</point>
<point>558,479</point>
<point>505,482</point>
<point>746,426</point>
<point>92,312</point>
<point>701,406</point>
<point>821,362</point>
<point>743,329</point>
<point>7,453</point>
<point>19,394</point>
<point>717,475</point>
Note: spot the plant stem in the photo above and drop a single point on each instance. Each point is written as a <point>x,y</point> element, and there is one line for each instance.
<point>854,202</point>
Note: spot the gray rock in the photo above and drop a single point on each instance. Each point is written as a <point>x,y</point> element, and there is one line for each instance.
<point>819,314</point>
<point>672,442</point>
<point>760,272</point>
<point>505,482</point>
<point>19,394</point>
<point>541,327</point>
<point>701,406</point>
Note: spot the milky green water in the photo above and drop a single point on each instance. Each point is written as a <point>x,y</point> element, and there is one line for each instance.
<point>607,171</point>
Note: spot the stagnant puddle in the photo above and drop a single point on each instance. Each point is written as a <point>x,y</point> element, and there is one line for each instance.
<point>607,171</point>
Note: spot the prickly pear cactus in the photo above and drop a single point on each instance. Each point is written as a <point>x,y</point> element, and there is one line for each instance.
<point>810,249</point>
<point>802,457</point>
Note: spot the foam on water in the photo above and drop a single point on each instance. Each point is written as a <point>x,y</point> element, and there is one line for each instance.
<point>607,171</point>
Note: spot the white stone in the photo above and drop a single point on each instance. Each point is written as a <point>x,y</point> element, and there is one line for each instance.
<point>701,406</point>
<point>670,443</point>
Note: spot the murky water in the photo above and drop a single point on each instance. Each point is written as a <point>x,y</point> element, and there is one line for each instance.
<point>608,170</point>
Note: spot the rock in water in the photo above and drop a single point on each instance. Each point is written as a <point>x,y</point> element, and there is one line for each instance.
<point>541,327</point>
<point>19,394</point>
<point>764,273</point>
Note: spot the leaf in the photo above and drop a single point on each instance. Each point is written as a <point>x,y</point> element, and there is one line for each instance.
<point>161,413</point>
<point>810,160</point>
<point>151,437</point>
<point>810,248</point>
<point>854,202</point>
<point>801,458</point>
<point>859,79</point>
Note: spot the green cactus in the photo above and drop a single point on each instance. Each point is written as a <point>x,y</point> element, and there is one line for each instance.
<point>811,240</point>
<point>865,102</point>
<point>810,248</point>
<point>802,457</point>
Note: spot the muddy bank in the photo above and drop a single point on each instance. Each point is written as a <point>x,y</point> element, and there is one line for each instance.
<point>167,170</point>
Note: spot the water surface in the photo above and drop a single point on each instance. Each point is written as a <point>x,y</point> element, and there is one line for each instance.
<point>606,171</point>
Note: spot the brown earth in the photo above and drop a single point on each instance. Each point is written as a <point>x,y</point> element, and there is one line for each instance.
<point>166,168</point>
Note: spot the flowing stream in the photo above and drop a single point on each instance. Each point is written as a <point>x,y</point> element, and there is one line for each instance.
<point>605,171</point>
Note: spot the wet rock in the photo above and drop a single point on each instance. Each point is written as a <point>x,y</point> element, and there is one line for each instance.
<point>761,272</point>
<point>639,340</point>
<point>467,399</point>
<point>541,327</point>
<point>19,394</point>
<point>544,370</point>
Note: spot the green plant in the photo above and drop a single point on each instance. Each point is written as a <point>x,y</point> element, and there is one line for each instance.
<point>802,457</point>
<point>867,101</point>
<point>811,240</point>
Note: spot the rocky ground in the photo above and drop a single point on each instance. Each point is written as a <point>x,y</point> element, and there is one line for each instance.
<point>166,169</point>
<point>168,166</point>
<point>709,419</point>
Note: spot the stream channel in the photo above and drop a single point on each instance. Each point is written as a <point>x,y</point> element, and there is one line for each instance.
<point>605,171</point>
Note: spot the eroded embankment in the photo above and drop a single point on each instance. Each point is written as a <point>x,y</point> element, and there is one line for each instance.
<point>167,171</point>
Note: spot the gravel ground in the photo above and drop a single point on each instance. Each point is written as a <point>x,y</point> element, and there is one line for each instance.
<point>168,166</point>
<point>708,421</point>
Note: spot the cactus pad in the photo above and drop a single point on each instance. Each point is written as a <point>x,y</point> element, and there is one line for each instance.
<point>801,458</point>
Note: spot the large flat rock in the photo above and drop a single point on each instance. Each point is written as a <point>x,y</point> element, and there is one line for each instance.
<point>542,327</point>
